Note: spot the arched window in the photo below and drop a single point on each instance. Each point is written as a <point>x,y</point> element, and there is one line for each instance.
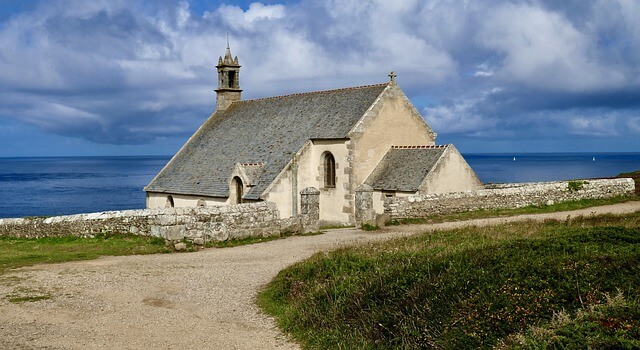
<point>169,203</point>
<point>329,171</point>
<point>239,189</point>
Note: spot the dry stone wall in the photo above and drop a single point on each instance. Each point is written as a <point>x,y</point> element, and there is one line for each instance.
<point>506,196</point>
<point>196,224</point>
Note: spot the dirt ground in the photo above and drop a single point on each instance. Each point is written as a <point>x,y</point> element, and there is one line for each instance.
<point>202,300</point>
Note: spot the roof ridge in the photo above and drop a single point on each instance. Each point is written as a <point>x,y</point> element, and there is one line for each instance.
<point>421,147</point>
<point>313,92</point>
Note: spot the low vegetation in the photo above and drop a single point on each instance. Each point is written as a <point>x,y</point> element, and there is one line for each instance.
<point>18,252</point>
<point>576,185</point>
<point>569,284</point>
<point>369,227</point>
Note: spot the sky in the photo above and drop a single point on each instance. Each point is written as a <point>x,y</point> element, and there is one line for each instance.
<point>137,77</point>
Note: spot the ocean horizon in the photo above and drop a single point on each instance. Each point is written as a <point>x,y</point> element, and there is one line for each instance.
<point>50,186</point>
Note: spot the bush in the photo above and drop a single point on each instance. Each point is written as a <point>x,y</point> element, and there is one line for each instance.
<point>575,186</point>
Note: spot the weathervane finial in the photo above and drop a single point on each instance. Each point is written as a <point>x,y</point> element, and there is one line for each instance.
<point>227,41</point>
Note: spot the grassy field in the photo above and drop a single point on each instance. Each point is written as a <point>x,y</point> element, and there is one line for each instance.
<point>18,252</point>
<point>571,284</point>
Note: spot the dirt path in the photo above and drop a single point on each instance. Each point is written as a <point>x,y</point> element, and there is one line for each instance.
<point>200,300</point>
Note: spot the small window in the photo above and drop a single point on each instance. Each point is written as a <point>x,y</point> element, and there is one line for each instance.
<point>169,203</point>
<point>201,203</point>
<point>329,171</point>
<point>389,194</point>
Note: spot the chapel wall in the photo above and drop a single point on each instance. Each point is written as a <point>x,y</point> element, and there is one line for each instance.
<point>451,174</point>
<point>309,172</point>
<point>195,224</point>
<point>509,196</point>
<point>335,202</point>
<point>393,121</point>
<point>280,193</point>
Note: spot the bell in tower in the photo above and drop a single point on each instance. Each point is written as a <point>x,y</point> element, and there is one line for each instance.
<point>228,80</point>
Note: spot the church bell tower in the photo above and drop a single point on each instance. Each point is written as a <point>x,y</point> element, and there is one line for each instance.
<point>228,80</point>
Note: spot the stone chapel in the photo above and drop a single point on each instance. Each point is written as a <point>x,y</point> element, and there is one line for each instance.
<point>269,149</point>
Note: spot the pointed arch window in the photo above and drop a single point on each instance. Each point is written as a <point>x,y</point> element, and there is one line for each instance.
<point>329,171</point>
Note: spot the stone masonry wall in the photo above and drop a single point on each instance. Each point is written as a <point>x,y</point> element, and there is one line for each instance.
<point>504,196</point>
<point>196,224</point>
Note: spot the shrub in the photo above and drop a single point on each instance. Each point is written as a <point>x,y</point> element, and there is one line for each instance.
<point>574,186</point>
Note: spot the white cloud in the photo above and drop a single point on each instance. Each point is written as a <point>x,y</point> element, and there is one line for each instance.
<point>593,126</point>
<point>633,125</point>
<point>116,66</point>
<point>56,117</point>
<point>543,49</point>
<point>236,18</point>
<point>459,117</point>
<point>483,70</point>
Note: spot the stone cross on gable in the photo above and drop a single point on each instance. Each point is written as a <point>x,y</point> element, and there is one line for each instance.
<point>392,76</point>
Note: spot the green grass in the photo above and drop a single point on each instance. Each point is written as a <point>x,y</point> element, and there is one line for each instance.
<point>470,288</point>
<point>535,209</point>
<point>369,227</point>
<point>18,252</point>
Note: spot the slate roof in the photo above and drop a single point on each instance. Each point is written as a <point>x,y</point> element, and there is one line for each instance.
<point>264,131</point>
<point>404,168</point>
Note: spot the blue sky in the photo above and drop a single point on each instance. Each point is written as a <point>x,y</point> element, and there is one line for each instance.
<point>134,77</point>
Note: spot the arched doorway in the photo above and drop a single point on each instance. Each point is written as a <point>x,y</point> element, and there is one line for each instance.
<point>238,189</point>
<point>169,203</point>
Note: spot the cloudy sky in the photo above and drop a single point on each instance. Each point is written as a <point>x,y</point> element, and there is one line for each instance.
<point>136,77</point>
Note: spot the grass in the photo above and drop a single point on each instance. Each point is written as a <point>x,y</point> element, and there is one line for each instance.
<point>528,285</point>
<point>25,295</point>
<point>534,209</point>
<point>369,227</point>
<point>19,252</point>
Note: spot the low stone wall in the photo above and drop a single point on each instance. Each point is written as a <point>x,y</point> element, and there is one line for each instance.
<point>505,196</point>
<point>197,224</point>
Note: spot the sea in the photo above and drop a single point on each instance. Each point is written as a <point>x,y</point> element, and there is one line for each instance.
<point>70,185</point>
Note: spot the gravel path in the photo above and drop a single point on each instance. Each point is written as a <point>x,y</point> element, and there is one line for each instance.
<point>202,300</point>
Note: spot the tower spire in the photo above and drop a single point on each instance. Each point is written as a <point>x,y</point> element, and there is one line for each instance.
<point>228,80</point>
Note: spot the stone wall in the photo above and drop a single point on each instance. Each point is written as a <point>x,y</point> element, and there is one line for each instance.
<point>196,224</point>
<point>505,196</point>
